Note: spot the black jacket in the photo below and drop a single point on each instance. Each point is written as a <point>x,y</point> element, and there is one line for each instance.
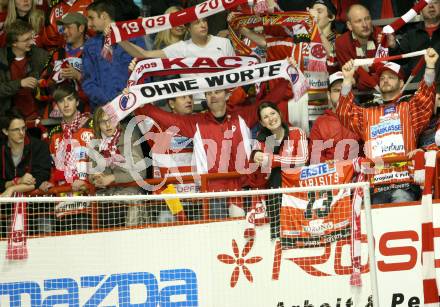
<point>36,160</point>
<point>415,39</point>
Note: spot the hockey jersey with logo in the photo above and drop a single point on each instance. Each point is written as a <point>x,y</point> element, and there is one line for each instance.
<point>389,130</point>
<point>315,218</point>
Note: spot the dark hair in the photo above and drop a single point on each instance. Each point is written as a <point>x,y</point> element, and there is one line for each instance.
<point>264,132</point>
<point>17,28</point>
<point>265,105</point>
<point>63,90</point>
<point>117,10</point>
<point>101,6</point>
<point>9,116</point>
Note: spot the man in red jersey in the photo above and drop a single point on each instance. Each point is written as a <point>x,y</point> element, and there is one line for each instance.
<point>221,136</point>
<point>392,128</point>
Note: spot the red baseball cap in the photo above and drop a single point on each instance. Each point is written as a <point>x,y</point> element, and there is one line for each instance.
<point>393,67</point>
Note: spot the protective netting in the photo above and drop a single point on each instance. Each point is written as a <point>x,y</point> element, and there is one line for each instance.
<point>286,221</point>
<point>306,218</point>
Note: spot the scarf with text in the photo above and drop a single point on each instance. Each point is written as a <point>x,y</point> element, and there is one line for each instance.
<point>108,148</point>
<point>65,158</point>
<point>124,30</point>
<point>172,66</point>
<point>142,94</point>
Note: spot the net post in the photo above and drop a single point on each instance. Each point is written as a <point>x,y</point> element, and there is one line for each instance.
<point>205,201</point>
<point>94,209</point>
<point>371,249</point>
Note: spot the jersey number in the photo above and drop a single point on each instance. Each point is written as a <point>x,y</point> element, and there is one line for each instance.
<point>323,212</point>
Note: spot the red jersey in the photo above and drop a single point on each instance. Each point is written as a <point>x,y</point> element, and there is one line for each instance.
<point>314,218</point>
<point>80,140</point>
<point>219,146</point>
<point>389,130</point>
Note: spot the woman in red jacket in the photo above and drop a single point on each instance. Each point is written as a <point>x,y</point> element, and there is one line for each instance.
<point>278,148</point>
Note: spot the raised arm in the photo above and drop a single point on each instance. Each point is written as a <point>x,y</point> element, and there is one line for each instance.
<point>421,104</point>
<point>139,52</point>
<point>349,113</point>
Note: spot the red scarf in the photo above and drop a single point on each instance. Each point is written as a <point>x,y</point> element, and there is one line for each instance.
<point>109,149</point>
<point>65,160</point>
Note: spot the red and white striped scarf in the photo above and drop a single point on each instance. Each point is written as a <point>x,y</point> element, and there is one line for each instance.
<point>382,50</point>
<point>356,244</point>
<point>430,288</point>
<point>124,30</point>
<point>108,148</point>
<point>401,21</point>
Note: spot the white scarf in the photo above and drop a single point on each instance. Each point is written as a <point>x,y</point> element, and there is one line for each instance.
<point>142,94</point>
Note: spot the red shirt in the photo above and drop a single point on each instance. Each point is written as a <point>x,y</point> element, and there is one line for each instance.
<point>2,28</point>
<point>24,98</point>
<point>431,30</point>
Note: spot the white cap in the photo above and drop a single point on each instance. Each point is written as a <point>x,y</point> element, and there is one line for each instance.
<point>335,77</point>
<point>393,67</point>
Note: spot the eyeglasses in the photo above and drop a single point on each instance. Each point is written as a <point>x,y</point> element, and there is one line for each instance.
<point>20,129</point>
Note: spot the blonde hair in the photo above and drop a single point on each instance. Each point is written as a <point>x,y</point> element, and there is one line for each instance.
<point>36,16</point>
<point>165,38</point>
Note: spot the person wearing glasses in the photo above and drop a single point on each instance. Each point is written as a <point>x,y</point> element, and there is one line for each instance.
<point>21,63</point>
<point>118,156</point>
<point>24,161</point>
<point>24,165</point>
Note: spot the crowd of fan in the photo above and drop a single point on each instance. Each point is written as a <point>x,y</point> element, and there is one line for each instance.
<point>51,66</point>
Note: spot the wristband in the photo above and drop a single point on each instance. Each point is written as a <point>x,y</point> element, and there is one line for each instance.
<point>430,67</point>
